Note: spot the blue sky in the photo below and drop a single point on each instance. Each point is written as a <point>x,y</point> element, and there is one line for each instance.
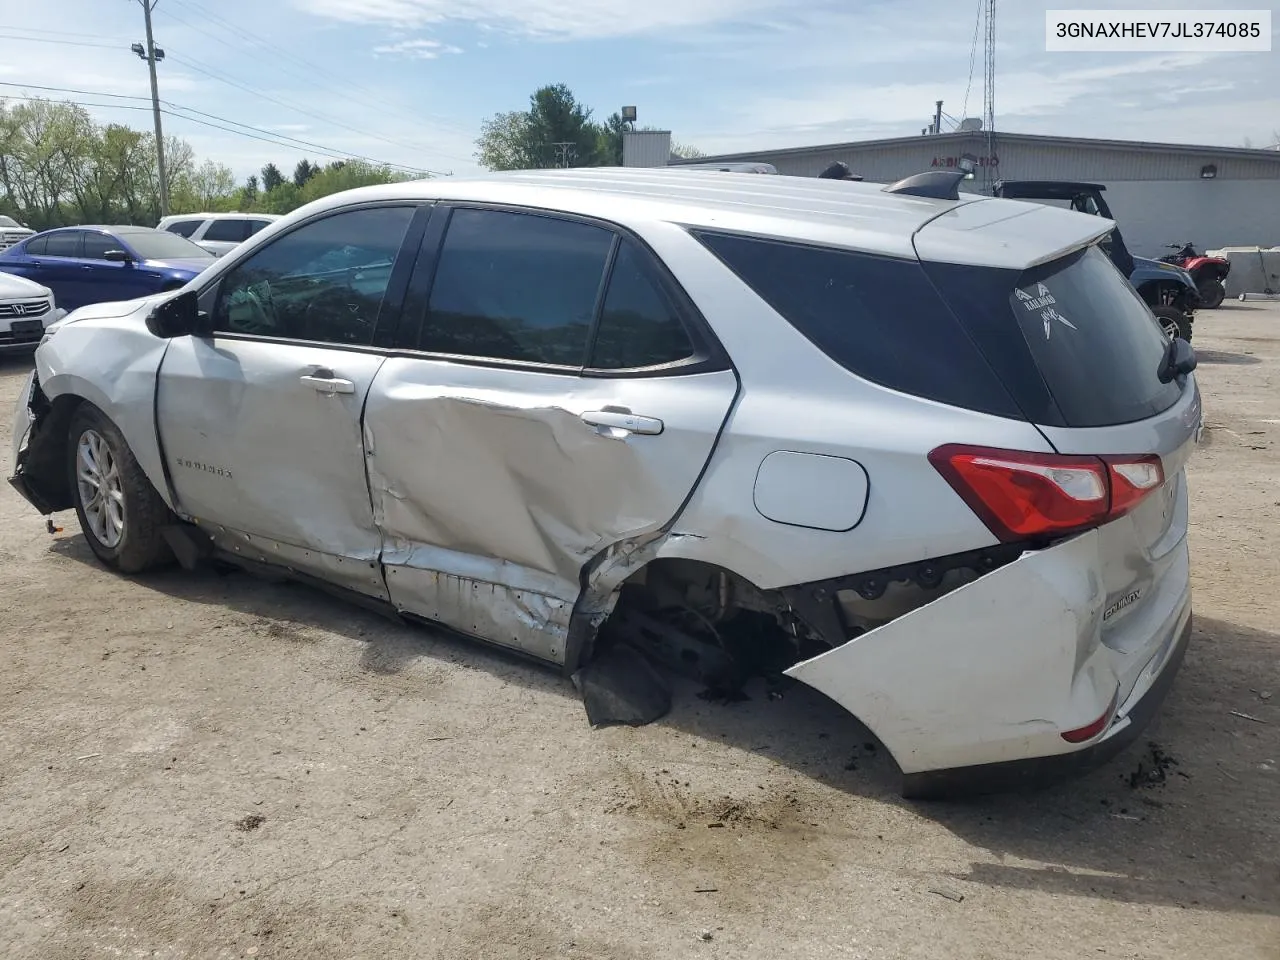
<point>408,81</point>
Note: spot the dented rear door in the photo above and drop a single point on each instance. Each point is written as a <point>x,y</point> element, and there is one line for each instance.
<point>511,442</point>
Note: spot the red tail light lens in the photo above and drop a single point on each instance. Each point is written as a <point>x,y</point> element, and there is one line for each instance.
<point>1133,479</point>
<point>1020,495</point>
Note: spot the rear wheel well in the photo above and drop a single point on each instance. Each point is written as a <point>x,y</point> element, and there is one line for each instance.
<point>708,621</point>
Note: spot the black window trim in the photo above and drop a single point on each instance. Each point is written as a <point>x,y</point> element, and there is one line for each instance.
<point>392,307</point>
<point>708,356</point>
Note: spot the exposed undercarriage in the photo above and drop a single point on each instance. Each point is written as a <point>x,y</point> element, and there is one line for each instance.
<point>707,624</point>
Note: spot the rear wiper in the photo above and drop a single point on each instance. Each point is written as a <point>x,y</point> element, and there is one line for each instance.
<point>1179,360</point>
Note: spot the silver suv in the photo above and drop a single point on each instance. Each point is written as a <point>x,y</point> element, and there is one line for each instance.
<point>923,453</point>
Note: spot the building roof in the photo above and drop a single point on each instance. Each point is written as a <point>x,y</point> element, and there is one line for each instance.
<point>1272,154</point>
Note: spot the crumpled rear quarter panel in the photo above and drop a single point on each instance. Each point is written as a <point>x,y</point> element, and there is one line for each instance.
<point>995,670</point>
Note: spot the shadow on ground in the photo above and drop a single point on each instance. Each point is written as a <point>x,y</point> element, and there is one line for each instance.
<point>1226,357</point>
<point>1186,817</point>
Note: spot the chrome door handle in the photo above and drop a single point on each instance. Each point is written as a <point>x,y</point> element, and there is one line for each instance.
<point>619,420</point>
<point>329,384</point>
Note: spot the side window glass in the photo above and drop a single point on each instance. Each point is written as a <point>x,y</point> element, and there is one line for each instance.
<point>639,326</point>
<point>514,286</point>
<point>256,225</point>
<point>183,228</point>
<point>226,231</point>
<point>63,244</point>
<point>324,281</point>
<point>37,246</point>
<point>96,246</point>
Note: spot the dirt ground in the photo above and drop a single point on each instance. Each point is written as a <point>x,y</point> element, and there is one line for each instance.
<point>212,766</point>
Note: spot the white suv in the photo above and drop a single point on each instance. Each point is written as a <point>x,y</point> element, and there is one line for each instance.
<point>922,452</point>
<point>219,233</point>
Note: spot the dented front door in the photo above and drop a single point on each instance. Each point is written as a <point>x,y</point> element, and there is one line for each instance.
<point>494,487</point>
<point>263,446</point>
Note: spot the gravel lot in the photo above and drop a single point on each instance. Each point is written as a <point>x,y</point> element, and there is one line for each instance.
<point>206,766</point>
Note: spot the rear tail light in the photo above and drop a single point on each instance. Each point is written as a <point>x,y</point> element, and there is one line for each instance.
<point>1022,495</point>
<point>1081,734</point>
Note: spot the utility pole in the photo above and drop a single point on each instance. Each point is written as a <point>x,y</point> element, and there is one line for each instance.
<point>151,54</point>
<point>566,153</point>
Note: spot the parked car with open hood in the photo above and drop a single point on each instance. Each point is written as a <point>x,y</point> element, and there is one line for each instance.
<point>922,452</point>
<point>83,265</point>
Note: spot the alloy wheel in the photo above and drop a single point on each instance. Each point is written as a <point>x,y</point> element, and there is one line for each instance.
<point>101,491</point>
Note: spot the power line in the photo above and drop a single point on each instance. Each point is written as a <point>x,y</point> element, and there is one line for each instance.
<point>313,75</point>
<point>294,141</point>
<point>313,70</point>
<point>102,106</point>
<point>63,33</point>
<point>86,93</point>
<point>170,109</point>
<point>215,74</point>
<point>65,43</point>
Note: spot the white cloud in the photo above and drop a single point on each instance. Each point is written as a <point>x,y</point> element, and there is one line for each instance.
<point>545,18</point>
<point>416,49</point>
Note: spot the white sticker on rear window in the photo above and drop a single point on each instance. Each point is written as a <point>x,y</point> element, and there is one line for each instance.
<point>1043,301</point>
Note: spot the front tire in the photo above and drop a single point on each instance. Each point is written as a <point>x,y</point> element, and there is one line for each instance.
<point>1173,322</point>
<point>120,512</point>
<point>1211,293</point>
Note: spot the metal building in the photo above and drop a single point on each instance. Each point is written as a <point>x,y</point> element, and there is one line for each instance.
<point>1160,193</point>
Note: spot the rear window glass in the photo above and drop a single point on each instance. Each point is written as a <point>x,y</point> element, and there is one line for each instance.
<point>1094,347</point>
<point>877,317</point>
<point>225,231</point>
<point>183,228</point>
<point>159,245</point>
<point>64,244</point>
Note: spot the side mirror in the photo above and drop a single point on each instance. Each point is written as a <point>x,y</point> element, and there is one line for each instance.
<point>117,256</point>
<point>1180,359</point>
<point>179,317</point>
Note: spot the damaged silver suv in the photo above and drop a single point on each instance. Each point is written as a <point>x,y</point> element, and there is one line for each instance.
<point>921,452</point>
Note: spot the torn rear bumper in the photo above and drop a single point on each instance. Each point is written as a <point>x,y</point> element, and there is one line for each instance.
<point>1043,771</point>
<point>980,688</point>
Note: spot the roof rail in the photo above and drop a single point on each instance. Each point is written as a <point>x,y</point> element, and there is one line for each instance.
<point>936,184</point>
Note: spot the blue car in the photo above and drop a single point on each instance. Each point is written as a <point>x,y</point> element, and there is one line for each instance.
<point>95,264</point>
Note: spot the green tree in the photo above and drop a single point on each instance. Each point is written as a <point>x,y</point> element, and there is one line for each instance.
<point>345,175</point>
<point>303,172</point>
<point>282,199</point>
<point>556,130</point>
<point>609,143</point>
<point>561,128</point>
<point>249,193</point>
<point>505,142</point>
<point>271,177</point>
<point>686,152</point>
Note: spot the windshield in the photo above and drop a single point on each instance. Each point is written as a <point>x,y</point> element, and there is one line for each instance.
<point>161,245</point>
